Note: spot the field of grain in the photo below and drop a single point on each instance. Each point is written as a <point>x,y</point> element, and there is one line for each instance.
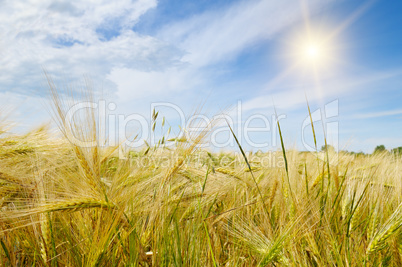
<point>64,205</point>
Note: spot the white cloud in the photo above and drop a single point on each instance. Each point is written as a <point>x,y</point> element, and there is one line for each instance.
<point>134,84</point>
<point>64,38</point>
<point>74,38</point>
<point>73,19</point>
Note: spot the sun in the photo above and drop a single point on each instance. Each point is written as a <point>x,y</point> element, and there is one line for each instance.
<point>312,50</point>
<point>313,53</point>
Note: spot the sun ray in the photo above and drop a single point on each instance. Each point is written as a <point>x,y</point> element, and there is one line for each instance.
<point>315,52</point>
<point>352,18</point>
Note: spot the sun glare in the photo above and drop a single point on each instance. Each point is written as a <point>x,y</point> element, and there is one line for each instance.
<point>312,53</point>
<point>311,50</point>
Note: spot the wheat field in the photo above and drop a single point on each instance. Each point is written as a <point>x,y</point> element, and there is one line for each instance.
<point>64,205</point>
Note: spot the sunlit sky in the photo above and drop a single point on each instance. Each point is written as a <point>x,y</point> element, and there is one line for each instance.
<point>205,56</point>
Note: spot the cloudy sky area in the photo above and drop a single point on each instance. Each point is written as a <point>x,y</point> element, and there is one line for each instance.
<point>214,54</point>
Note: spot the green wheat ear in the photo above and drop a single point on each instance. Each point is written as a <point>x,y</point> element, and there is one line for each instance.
<point>388,229</point>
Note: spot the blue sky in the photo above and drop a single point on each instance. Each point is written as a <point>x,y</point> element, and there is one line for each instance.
<point>214,54</point>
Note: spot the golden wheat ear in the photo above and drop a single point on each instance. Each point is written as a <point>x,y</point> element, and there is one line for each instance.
<point>83,127</point>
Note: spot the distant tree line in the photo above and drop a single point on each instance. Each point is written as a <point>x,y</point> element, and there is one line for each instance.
<point>378,149</point>
<point>382,149</point>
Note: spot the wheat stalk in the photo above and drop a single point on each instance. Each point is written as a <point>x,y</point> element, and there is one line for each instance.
<point>390,227</point>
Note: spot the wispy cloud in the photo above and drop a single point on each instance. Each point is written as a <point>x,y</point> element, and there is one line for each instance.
<point>22,110</point>
<point>206,39</point>
<point>378,114</point>
<point>222,35</point>
<point>291,96</point>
